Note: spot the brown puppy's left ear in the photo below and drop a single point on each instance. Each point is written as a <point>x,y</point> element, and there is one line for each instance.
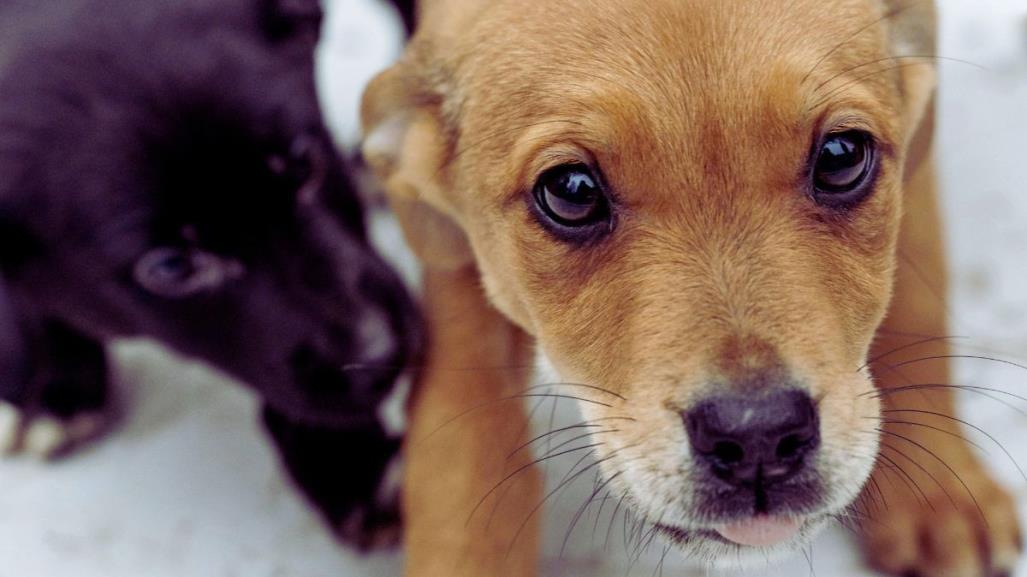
<point>912,31</point>
<point>406,144</point>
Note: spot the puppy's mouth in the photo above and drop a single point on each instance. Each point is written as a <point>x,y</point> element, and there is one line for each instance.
<point>763,535</point>
<point>759,531</point>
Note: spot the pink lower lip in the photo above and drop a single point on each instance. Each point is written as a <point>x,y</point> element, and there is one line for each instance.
<point>761,531</point>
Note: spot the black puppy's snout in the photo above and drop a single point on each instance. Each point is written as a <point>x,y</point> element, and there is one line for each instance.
<point>754,440</point>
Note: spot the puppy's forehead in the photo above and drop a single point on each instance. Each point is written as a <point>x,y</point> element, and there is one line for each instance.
<point>655,68</point>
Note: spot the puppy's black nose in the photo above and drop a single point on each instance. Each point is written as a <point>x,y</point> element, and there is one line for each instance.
<point>756,440</point>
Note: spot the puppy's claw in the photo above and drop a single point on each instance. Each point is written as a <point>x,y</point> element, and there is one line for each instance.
<point>46,437</point>
<point>10,426</point>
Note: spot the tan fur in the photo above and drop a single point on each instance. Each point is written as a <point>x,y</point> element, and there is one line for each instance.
<point>720,271</point>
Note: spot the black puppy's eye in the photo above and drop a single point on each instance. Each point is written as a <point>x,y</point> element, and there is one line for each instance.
<point>171,267</point>
<point>179,273</point>
<point>843,168</point>
<point>572,197</point>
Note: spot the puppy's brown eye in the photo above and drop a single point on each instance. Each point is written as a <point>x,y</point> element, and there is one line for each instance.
<point>572,200</point>
<point>843,168</point>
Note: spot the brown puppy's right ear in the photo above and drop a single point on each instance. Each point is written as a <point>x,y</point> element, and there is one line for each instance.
<point>406,144</point>
<point>912,31</point>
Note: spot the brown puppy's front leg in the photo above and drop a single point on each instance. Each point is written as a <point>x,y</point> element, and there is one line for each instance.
<point>467,417</point>
<point>934,511</point>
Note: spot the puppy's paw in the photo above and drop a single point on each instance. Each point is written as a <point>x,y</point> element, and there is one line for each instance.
<point>47,437</point>
<point>374,524</point>
<point>925,520</point>
<point>350,475</point>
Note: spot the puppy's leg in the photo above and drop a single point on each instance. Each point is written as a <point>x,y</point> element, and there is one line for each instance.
<point>466,419</point>
<point>59,397</point>
<point>934,511</point>
<point>351,475</point>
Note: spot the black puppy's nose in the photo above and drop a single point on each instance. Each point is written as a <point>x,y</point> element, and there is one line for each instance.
<point>754,440</point>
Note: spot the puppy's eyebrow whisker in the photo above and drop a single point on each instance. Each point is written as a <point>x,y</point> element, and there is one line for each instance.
<point>836,91</point>
<point>887,16</point>
<point>896,58</point>
<point>973,497</point>
<point>970,425</point>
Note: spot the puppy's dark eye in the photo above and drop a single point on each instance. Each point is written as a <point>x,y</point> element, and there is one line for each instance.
<point>843,168</point>
<point>180,273</point>
<point>172,267</point>
<point>571,197</point>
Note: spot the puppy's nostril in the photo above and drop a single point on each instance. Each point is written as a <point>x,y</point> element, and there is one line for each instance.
<point>754,438</point>
<point>790,446</point>
<point>728,453</point>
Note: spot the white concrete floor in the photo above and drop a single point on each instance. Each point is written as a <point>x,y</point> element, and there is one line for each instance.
<point>190,488</point>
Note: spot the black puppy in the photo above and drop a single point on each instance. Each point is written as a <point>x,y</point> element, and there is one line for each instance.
<point>164,172</point>
<point>408,12</point>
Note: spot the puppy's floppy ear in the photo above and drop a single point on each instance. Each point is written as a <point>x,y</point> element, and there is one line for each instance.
<point>912,31</point>
<point>408,145</point>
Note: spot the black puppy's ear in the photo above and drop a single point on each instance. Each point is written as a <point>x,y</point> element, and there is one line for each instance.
<point>408,12</point>
<point>179,273</point>
<point>292,19</point>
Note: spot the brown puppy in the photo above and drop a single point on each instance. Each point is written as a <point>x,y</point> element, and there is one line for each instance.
<point>704,214</point>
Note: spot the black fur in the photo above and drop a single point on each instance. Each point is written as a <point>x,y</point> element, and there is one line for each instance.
<point>408,11</point>
<point>165,172</point>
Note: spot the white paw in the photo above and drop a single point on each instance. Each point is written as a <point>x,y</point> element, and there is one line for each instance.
<point>45,437</point>
<point>10,423</point>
